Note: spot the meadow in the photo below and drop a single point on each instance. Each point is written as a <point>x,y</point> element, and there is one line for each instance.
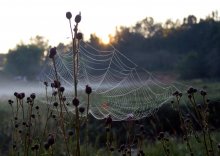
<point>32,127</point>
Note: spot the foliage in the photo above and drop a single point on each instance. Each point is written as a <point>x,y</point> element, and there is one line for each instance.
<point>26,60</point>
<point>188,47</point>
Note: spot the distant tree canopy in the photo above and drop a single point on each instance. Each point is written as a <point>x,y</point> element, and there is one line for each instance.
<point>190,48</point>
<point>26,60</point>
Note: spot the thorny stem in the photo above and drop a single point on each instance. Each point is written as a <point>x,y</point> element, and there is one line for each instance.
<point>193,101</point>
<point>75,70</point>
<point>87,131</point>
<point>61,109</point>
<point>182,124</point>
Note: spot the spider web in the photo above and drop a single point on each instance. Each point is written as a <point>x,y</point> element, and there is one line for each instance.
<point>120,88</point>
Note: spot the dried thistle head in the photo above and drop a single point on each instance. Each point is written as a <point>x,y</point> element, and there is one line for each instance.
<point>68,15</point>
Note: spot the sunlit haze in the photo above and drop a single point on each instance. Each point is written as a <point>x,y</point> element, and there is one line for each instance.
<point>23,19</point>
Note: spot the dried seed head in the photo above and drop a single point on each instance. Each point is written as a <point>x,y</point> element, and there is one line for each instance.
<point>68,15</point>
<point>53,52</point>
<point>29,100</point>
<point>82,109</point>
<point>16,125</point>
<point>55,104</point>
<point>54,93</point>
<point>33,116</point>
<point>63,98</point>
<point>203,93</point>
<point>61,89</point>
<point>46,83</point>
<point>176,93</point>
<point>56,84</point>
<point>190,90</point>
<point>37,107</point>
<point>88,89</point>
<point>52,85</point>
<point>33,96</point>
<point>75,102</point>
<point>50,140</point>
<point>15,94</point>
<point>79,36</point>
<point>10,102</point>
<point>70,132</point>
<point>54,116</point>
<point>78,18</point>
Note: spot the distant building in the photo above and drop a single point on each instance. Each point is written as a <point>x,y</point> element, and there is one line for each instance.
<point>2,61</point>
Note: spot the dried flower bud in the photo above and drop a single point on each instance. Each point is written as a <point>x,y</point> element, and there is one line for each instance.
<point>176,93</point>
<point>56,84</point>
<point>53,52</point>
<point>15,94</point>
<point>81,109</point>
<point>190,90</point>
<point>46,83</point>
<point>75,102</point>
<point>33,96</point>
<point>55,104</point>
<point>79,36</point>
<point>203,93</point>
<point>78,18</point>
<point>10,102</point>
<point>50,140</point>
<point>52,85</point>
<point>70,132</point>
<point>68,15</point>
<point>88,89</point>
<point>61,89</point>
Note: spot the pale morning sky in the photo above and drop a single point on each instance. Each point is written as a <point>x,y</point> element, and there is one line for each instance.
<point>22,19</point>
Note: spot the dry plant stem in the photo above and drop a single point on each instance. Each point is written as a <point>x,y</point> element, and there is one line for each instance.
<point>182,124</point>
<point>61,110</point>
<point>206,120</point>
<point>193,101</point>
<point>29,128</point>
<point>48,115</point>
<point>87,122</point>
<point>75,66</point>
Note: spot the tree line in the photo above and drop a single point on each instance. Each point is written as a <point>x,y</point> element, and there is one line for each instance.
<point>190,48</point>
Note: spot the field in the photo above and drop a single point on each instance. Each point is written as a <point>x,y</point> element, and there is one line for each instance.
<point>32,127</point>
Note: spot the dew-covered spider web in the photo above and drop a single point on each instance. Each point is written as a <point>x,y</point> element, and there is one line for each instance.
<point>119,87</point>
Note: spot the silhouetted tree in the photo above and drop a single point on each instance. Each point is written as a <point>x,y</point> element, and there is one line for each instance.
<point>26,60</point>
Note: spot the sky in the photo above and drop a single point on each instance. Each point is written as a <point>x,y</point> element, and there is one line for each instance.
<point>22,19</point>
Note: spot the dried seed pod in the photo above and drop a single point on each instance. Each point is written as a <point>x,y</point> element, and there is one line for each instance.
<point>88,89</point>
<point>75,102</point>
<point>78,18</point>
<point>33,96</point>
<point>68,15</point>
<point>53,52</point>
<point>81,109</point>
<point>79,36</point>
